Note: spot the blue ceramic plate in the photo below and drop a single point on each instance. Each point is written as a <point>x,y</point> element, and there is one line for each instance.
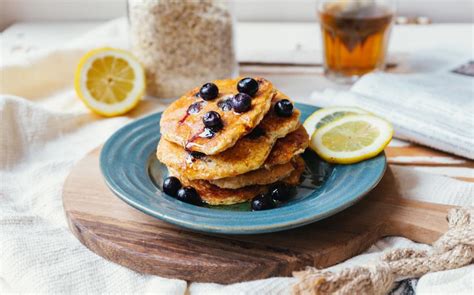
<point>133,173</point>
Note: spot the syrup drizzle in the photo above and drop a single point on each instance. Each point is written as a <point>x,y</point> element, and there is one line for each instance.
<point>204,133</point>
<point>195,107</point>
<point>207,133</point>
<point>183,118</point>
<point>192,109</point>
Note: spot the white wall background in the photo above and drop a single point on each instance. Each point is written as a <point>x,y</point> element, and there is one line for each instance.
<point>248,10</point>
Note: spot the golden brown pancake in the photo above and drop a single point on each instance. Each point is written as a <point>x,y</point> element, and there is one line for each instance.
<point>260,176</point>
<point>248,154</point>
<point>214,195</point>
<point>276,167</point>
<point>187,129</point>
<point>288,147</point>
<point>295,176</point>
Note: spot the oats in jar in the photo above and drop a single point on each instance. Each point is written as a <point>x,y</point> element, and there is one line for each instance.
<point>182,43</point>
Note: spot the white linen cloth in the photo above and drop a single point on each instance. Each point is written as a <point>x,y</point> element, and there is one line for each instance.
<point>45,130</point>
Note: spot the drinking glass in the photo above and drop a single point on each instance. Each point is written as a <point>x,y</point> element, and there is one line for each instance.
<point>355,36</point>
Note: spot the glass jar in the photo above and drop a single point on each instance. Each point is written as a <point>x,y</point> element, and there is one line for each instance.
<point>182,44</point>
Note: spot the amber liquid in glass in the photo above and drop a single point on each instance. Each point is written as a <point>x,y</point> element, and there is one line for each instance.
<point>354,40</point>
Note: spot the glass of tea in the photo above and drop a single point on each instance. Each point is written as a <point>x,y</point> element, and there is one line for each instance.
<point>355,36</point>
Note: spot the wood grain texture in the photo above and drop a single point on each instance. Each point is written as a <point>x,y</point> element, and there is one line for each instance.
<point>437,162</point>
<point>419,155</point>
<point>124,235</point>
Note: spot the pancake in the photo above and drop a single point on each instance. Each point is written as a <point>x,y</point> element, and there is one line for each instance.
<point>260,176</point>
<point>276,167</point>
<point>214,195</point>
<point>288,147</point>
<point>248,154</point>
<point>187,129</point>
<point>295,176</point>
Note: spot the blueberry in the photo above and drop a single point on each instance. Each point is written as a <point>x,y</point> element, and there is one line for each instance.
<point>280,192</point>
<point>189,195</point>
<point>248,86</point>
<point>284,108</point>
<point>241,102</point>
<point>209,91</point>
<point>195,107</point>
<point>212,120</point>
<point>262,202</point>
<point>171,185</point>
<point>225,104</point>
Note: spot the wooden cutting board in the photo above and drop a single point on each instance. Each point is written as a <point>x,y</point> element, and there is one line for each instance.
<point>124,235</point>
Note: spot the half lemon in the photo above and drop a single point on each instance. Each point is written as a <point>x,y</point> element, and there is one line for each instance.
<point>351,139</point>
<point>109,81</point>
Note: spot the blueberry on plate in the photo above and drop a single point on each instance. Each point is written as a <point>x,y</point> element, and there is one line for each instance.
<point>262,202</point>
<point>248,86</point>
<point>171,185</point>
<point>209,91</point>
<point>212,120</point>
<point>189,195</point>
<point>284,108</point>
<point>241,102</point>
<point>280,192</point>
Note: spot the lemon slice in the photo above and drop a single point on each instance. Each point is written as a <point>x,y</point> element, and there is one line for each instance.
<point>323,116</point>
<point>109,81</point>
<point>352,139</point>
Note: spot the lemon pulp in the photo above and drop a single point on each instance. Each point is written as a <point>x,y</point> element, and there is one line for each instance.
<point>109,81</point>
<point>351,136</point>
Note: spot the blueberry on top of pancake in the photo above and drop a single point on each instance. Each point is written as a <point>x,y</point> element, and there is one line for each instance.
<point>182,122</point>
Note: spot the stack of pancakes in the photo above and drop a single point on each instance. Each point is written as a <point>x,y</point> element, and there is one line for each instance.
<point>251,152</point>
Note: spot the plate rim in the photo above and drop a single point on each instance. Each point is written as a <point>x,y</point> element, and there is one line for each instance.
<point>225,229</point>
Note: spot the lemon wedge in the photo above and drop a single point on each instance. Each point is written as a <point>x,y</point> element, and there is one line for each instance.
<point>351,139</point>
<point>323,116</point>
<point>109,81</point>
